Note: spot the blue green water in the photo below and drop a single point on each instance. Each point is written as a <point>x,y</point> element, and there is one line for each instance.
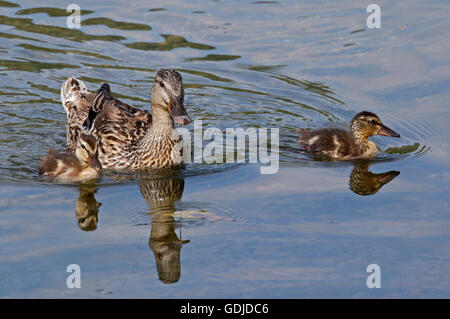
<point>226,231</point>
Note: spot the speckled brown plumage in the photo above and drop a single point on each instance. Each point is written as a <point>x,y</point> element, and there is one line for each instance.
<point>76,100</point>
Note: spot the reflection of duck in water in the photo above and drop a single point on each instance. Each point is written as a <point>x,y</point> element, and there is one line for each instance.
<point>87,208</point>
<point>344,145</point>
<point>164,242</point>
<point>364,182</point>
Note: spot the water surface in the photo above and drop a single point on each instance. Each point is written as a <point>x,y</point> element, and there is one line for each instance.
<point>226,231</point>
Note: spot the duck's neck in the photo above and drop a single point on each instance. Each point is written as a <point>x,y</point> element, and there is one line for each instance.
<point>361,140</point>
<point>161,132</point>
<point>161,119</point>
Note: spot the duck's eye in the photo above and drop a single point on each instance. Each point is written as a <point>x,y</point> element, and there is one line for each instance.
<point>373,122</point>
<point>82,145</point>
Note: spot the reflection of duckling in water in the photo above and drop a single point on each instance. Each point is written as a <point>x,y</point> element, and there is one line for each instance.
<point>73,166</point>
<point>344,145</point>
<point>364,182</point>
<point>87,208</point>
<point>166,245</point>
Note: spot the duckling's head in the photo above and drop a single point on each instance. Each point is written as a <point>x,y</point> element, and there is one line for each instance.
<point>366,124</point>
<point>86,151</point>
<point>168,95</point>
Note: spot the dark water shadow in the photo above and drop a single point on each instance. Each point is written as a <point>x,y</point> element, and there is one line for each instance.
<point>170,42</point>
<point>8,4</point>
<point>26,24</point>
<point>51,12</point>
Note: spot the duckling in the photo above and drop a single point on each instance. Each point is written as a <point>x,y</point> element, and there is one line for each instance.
<point>129,139</point>
<point>344,145</point>
<point>73,165</point>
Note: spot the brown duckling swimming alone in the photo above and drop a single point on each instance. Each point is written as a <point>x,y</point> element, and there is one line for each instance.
<point>73,165</point>
<point>345,145</point>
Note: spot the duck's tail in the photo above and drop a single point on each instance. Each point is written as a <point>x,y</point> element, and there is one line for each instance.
<point>103,94</point>
<point>71,91</point>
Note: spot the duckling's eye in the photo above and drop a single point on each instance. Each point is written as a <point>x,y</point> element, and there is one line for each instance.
<point>82,145</point>
<point>161,84</point>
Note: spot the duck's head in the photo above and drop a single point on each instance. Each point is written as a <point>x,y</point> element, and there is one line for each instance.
<point>168,94</point>
<point>366,124</point>
<point>86,151</point>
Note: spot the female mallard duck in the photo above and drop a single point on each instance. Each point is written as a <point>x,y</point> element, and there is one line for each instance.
<point>344,145</point>
<point>129,139</point>
<point>73,165</point>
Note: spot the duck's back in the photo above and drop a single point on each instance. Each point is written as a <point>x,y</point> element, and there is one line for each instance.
<point>332,142</point>
<point>57,164</point>
<point>118,128</point>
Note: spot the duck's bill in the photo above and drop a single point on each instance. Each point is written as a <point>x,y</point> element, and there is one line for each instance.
<point>385,178</point>
<point>179,114</point>
<point>386,131</point>
<point>94,163</point>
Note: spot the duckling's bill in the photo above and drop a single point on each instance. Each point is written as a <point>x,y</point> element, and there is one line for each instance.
<point>94,162</point>
<point>386,131</point>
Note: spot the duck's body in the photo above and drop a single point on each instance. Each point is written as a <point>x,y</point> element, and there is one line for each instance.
<point>77,165</point>
<point>336,143</point>
<point>345,145</point>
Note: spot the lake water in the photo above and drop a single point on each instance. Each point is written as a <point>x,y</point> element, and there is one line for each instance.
<point>225,230</point>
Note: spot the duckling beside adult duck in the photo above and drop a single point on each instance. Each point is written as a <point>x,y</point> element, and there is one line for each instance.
<point>75,165</point>
<point>345,145</point>
<point>126,142</point>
